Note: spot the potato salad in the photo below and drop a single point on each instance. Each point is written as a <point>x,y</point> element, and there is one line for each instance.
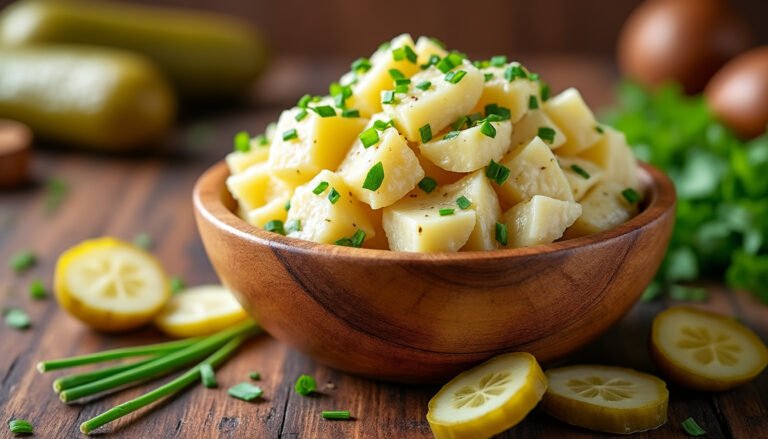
<point>419,149</point>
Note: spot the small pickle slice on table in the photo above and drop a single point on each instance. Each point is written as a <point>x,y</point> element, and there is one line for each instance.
<point>605,398</point>
<point>706,351</point>
<point>200,311</point>
<point>110,285</point>
<point>488,398</point>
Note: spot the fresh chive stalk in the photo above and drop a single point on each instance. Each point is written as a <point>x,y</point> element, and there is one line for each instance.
<point>20,426</point>
<point>208,376</point>
<point>74,380</point>
<point>336,414</point>
<point>692,428</point>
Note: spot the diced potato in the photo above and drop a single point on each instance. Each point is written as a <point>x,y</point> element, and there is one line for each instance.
<point>441,104</point>
<point>540,220</point>
<point>238,161</point>
<point>470,150</point>
<point>441,176</point>
<point>614,156</point>
<point>572,115</point>
<point>527,128</point>
<point>534,171</point>
<point>254,187</point>
<point>426,47</point>
<point>274,209</point>
<point>367,87</point>
<point>401,168</point>
<point>322,220</point>
<point>379,240</point>
<point>603,208</point>
<point>478,190</point>
<point>581,174</point>
<point>321,143</point>
<point>514,95</point>
<point>414,224</point>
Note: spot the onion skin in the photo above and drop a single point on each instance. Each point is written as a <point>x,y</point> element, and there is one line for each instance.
<point>684,41</point>
<point>738,93</point>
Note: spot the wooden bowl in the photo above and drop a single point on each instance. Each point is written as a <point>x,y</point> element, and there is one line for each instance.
<point>414,317</point>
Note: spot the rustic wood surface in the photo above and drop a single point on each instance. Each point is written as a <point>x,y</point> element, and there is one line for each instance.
<point>123,196</point>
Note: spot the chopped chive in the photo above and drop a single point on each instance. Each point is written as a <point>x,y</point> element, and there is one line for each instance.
<point>301,115</point>
<point>242,141</point>
<point>262,140</point>
<point>460,122</point>
<point>384,46</point>
<point>350,113</point>
<point>287,206</point>
<point>514,72</point>
<point>503,113</point>
<point>16,318</point>
<point>37,290</point>
<point>456,58</point>
<point>375,177</point>
<point>497,172</point>
<point>579,170</point>
<point>245,391</point>
<point>599,129</point>
<point>254,376</point>
<point>324,111</point>
<point>388,97</point>
<point>358,238</point>
<point>433,60</point>
<point>546,134</point>
<point>398,54</point>
<point>20,426</point>
<point>381,125</point>
<point>427,184</point>
<point>403,88</point>
<point>463,202</point>
<point>305,385</point>
<point>455,76</point>
<point>451,134</point>
<point>396,74</point>
<point>369,137</point>
<point>533,103</point>
<point>446,212</point>
<point>208,377</point>
<point>275,226</point>
<point>290,134</point>
<point>426,133</point>
<point>23,261</point>
<point>56,192</point>
<point>631,195</point>
<point>336,89</point>
<point>345,242</point>
<point>410,54</point>
<point>304,101</point>
<point>143,240</point>
<point>402,81</point>
<point>336,414</point>
<point>320,188</point>
<point>293,225</point>
<point>501,233</point>
<point>361,65</point>
<point>445,65</point>
<point>544,91</point>
<point>473,118</point>
<point>692,428</point>
<point>488,76</point>
<point>424,86</point>
<point>177,284</point>
<point>334,196</point>
<point>498,61</point>
<point>494,118</point>
<point>488,129</point>
<point>533,76</point>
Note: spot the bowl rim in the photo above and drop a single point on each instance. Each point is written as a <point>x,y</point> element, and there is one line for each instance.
<point>659,199</point>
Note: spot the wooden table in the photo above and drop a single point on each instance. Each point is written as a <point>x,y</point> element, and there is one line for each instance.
<point>123,196</point>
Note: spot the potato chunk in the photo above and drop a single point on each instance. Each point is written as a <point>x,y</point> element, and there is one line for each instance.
<point>540,220</point>
<point>261,197</point>
<point>470,150</point>
<point>426,47</point>
<point>534,171</point>
<point>603,208</point>
<point>514,95</point>
<point>319,143</point>
<point>367,86</point>
<point>581,175</point>
<point>613,155</point>
<point>431,170</point>
<point>239,161</point>
<point>437,106</point>
<point>572,115</point>
<point>401,168</point>
<point>415,224</point>
<point>321,219</point>
<point>478,191</point>
<point>527,128</point>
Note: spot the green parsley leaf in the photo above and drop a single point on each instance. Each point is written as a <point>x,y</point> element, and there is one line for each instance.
<point>305,385</point>
<point>487,77</point>
<point>375,177</point>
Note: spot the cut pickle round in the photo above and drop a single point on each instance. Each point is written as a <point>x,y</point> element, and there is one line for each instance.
<point>488,398</point>
<point>199,311</point>
<point>110,285</point>
<point>706,351</point>
<point>604,398</point>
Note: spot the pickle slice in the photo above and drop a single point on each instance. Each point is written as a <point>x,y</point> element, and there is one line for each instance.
<point>608,399</point>
<point>706,351</point>
<point>487,399</point>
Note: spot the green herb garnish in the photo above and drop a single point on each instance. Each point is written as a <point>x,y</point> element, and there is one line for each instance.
<point>177,284</point>
<point>581,171</point>
<point>143,240</point>
<point>290,134</point>
<point>350,113</point>
<point>275,226</point>
<point>37,290</point>
<point>446,212</point>
<point>426,133</point>
<point>361,65</point>
<point>488,129</point>
<point>242,141</point>
<point>427,184</point>
<point>208,376</point>
<point>304,101</point>
<point>498,61</point>
<point>305,385</point>
<point>599,129</point>
<point>320,188</point>
<point>375,177</point>
<point>293,225</point>
<point>455,76</point>
<point>254,376</point>
<point>324,111</point>
<point>23,261</point>
<point>301,115</point>
<point>497,172</point>
<point>501,233</point>
<point>57,190</point>
<point>503,113</point>
<point>463,202</point>
<point>451,134</point>
<point>20,426</point>
<point>245,391</point>
<point>630,195</point>
<point>16,318</point>
<point>369,137</point>
<point>533,103</point>
<point>424,85</point>
<point>388,97</point>
<point>692,428</point>
<point>336,414</point>
<point>396,74</point>
<point>334,196</point>
<point>514,72</point>
<point>487,77</point>
<point>546,134</point>
<point>544,91</point>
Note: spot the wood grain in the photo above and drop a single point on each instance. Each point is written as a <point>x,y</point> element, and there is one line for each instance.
<point>152,193</point>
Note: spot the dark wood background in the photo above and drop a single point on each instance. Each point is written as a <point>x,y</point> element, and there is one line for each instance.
<point>353,27</point>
